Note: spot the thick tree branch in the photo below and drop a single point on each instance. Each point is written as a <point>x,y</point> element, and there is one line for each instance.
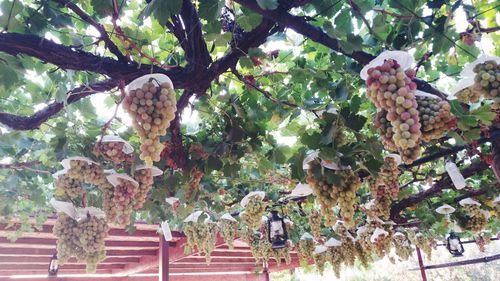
<point>444,183</point>
<point>19,166</point>
<point>34,121</point>
<point>104,35</point>
<point>300,25</point>
<point>70,58</point>
<point>186,26</point>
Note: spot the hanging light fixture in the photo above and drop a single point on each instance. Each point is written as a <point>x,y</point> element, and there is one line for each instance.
<point>276,230</point>
<point>454,245</point>
<point>53,266</point>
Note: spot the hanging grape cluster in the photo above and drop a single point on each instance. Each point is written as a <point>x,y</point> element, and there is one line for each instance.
<point>315,224</point>
<point>384,188</point>
<point>486,84</point>
<point>123,196</point>
<point>382,245</point>
<point>364,257</point>
<point>67,187</point>
<point>435,117</point>
<point>305,250</point>
<point>320,260</point>
<point>261,248</point>
<point>113,151</point>
<point>252,216</point>
<point>424,243</point>
<point>402,246</point>
<point>385,130</point>
<point>90,173</point>
<point>145,179</point>
<point>194,183</point>
<point>228,230</point>
<point>348,248</point>
<point>83,239</point>
<point>389,88</point>
<point>152,107</point>
<point>343,193</point>
<point>482,241</point>
<point>366,247</point>
<point>202,236</point>
<point>477,220</point>
<point>335,258</point>
<point>282,253</point>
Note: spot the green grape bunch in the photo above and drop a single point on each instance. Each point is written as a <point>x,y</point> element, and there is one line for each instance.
<point>152,108</point>
<point>201,235</point>
<point>68,188</point>
<point>228,229</point>
<point>254,210</point>
<point>435,117</point>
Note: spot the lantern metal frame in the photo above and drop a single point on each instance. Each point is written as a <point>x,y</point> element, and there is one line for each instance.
<point>280,241</point>
<point>455,252</point>
<point>53,266</point>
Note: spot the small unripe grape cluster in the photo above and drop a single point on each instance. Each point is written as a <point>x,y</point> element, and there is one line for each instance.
<point>389,175</point>
<point>228,230</point>
<point>113,151</point>
<point>435,117</point>
<point>315,224</point>
<point>364,241</point>
<point>487,81</point>
<point>330,216</point>
<point>305,250</point>
<point>348,249</point>
<point>389,88</point>
<point>202,236</point>
<point>123,196</point>
<point>365,258</point>
<point>424,243</point>
<point>194,183</point>
<point>152,108</point>
<point>402,246</point>
<point>67,187</point>
<point>320,261</point>
<point>282,253</point>
<point>252,216</point>
<point>382,245</point>
<point>145,179</point>
<point>82,239</point>
<point>477,220</point>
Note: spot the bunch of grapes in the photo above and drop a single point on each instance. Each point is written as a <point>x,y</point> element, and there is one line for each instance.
<point>382,245</point>
<point>83,239</point>
<point>348,248</point>
<point>477,220</point>
<point>108,204</point>
<point>380,206</point>
<point>385,130</point>
<point>152,108</point>
<point>389,175</point>
<point>435,117</point>
<point>320,261</point>
<point>90,173</point>
<point>424,243</point>
<point>315,223</point>
<point>252,216</point>
<point>365,245</point>
<point>325,193</point>
<point>202,236</point>
<point>261,249</point>
<point>335,258</point>
<point>67,187</point>
<point>487,81</point>
<point>468,95</point>
<point>145,179</point>
<point>389,88</point>
<point>329,215</point>
<point>68,242</point>
<point>305,250</point>
<point>197,150</point>
<point>228,231</point>
<point>194,183</point>
<point>346,189</point>
<point>402,246</point>
<point>364,257</point>
<point>482,241</point>
<point>113,151</point>
<point>282,253</point>
<point>123,196</point>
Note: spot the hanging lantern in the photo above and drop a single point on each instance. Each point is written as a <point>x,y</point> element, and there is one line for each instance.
<point>53,266</point>
<point>277,233</point>
<point>454,245</point>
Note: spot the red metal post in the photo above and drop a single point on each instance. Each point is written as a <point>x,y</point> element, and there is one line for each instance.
<point>421,264</point>
<point>163,260</point>
<point>266,272</point>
